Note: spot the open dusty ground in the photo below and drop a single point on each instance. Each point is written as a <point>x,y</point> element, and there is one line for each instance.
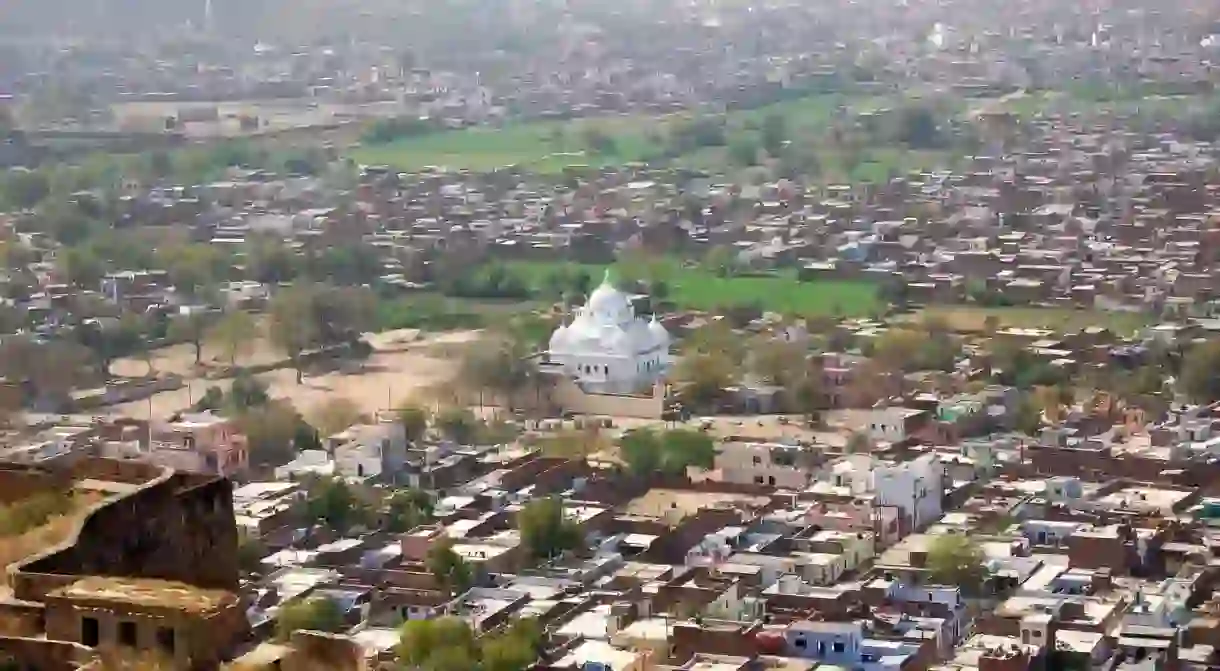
<point>387,377</point>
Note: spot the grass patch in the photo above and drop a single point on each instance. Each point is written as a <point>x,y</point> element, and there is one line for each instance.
<point>548,147</point>
<point>545,147</point>
<point>700,289</point>
<point>39,522</point>
<point>974,318</point>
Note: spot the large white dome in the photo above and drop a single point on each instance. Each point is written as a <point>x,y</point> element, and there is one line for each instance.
<point>607,302</point>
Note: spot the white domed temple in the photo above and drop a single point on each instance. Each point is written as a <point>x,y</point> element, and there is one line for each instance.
<point>606,348</point>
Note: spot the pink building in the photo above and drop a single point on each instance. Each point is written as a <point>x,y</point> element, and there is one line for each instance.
<point>200,442</point>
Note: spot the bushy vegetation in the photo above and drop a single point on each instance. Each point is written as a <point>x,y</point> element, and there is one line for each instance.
<point>448,644</point>
<point>21,516</point>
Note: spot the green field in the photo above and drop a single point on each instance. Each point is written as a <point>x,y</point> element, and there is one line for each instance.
<point>547,147</point>
<point>700,289</point>
<point>974,318</point>
<point>541,146</point>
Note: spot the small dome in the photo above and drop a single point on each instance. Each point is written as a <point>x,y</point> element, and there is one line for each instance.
<point>559,339</point>
<point>659,335</point>
<point>615,340</point>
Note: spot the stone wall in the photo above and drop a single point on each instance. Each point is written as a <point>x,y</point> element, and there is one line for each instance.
<point>571,398</point>
<point>44,655</point>
<point>178,527</point>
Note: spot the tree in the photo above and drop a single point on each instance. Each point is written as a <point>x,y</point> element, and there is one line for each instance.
<point>234,334</point>
<point>545,531</point>
<point>333,503</point>
<point>743,150</point>
<point>917,128</point>
<point>641,449</point>
<point>81,267</point>
<point>292,326</point>
<point>457,424</point>
<point>419,640</point>
<point>902,349</point>
<point>312,614</point>
<point>702,377</point>
<point>778,362</point>
<point>414,422</point>
<point>273,432</point>
<point>247,392</point>
<point>336,415</point>
<point>43,369</point>
<point>341,314</point>
<point>451,659</point>
<point>599,141</point>
<point>503,368</point>
<point>686,448</point>
<point>774,133</point>
<point>191,327</point>
<point>955,559</point>
<point>23,188</point>
<point>1199,379</point>
<point>250,554</point>
<point>347,264</point>
<point>1028,416</point>
<point>270,261</point>
<point>109,338</point>
<point>806,395</point>
<point>407,509</point>
<point>63,220</point>
<point>447,566</point>
<point>193,266</point>
<point>514,649</point>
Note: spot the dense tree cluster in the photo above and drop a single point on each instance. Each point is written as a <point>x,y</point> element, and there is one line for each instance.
<point>648,452</point>
<point>448,644</point>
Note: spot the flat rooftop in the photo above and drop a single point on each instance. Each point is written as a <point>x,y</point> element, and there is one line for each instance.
<point>662,503</point>
<point>147,592</point>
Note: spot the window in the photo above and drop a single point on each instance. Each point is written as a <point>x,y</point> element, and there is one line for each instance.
<point>771,480</point>
<point>127,634</point>
<point>800,643</point>
<point>757,461</point>
<point>838,646</point>
<point>758,479</point>
<point>89,632</point>
<point>1036,634</point>
<point>165,639</point>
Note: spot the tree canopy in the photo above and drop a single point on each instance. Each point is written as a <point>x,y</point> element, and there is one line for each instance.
<point>450,570</point>
<point>545,531</point>
<point>313,614</point>
<point>448,644</point>
<point>955,559</point>
<point>1199,379</point>
<point>647,451</point>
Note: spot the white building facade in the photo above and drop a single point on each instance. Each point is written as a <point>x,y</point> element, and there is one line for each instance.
<point>607,349</point>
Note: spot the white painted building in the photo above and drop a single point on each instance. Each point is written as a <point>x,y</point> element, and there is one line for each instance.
<point>914,487</point>
<point>369,450</point>
<point>607,349</point>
